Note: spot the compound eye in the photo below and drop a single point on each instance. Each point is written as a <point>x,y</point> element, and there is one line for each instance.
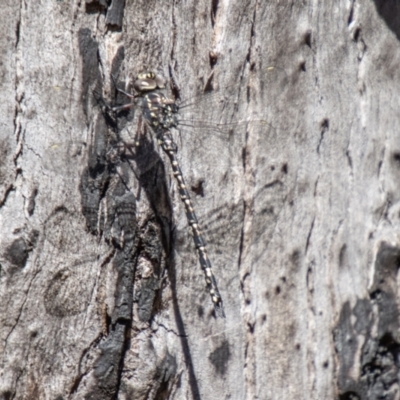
<point>144,85</point>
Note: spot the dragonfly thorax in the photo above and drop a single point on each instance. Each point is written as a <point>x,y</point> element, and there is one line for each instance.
<point>160,111</point>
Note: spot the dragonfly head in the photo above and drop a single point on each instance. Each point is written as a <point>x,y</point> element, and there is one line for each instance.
<point>148,81</point>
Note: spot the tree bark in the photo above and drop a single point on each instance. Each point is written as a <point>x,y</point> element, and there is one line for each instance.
<point>295,183</point>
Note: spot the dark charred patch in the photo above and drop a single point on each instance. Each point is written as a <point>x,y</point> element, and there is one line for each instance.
<point>17,253</point>
<point>115,14</point>
<point>124,289</point>
<point>146,294</point>
<point>345,346</point>
<point>95,178</point>
<point>386,269</point>
<point>363,316</point>
<point>119,227</point>
<point>380,374</point>
<point>380,349</point>
<point>7,395</point>
<point>220,357</point>
<point>389,11</point>
<point>349,396</point>
<point>96,6</point>
<point>108,365</point>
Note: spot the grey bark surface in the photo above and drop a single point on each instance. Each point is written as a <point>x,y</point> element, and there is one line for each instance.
<point>102,296</point>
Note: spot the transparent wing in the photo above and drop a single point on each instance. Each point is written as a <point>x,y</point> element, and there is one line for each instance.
<point>62,157</point>
<point>214,112</point>
<point>217,112</point>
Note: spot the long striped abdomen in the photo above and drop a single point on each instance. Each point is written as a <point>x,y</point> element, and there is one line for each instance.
<point>169,148</point>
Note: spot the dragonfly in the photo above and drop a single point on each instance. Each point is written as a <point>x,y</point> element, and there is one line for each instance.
<point>163,114</point>
<point>185,113</point>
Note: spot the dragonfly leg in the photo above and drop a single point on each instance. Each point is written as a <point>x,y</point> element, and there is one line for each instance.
<point>124,107</point>
<point>131,96</point>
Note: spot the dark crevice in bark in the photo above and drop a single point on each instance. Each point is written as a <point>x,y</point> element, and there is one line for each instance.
<point>17,33</point>
<point>309,235</point>
<point>308,39</point>
<point>20,310</point>
<point>81,375</point>
<point>241,245</point>
<point>7,192</point>
<point>208,87</point>
<point>169,330</point>
<point>213,58</point>
<point>175,89</point>
<point>214,10</point>
<point>351,14</point>
<point>324,126</point>
<point>272,184</point>
<point>174,33</point>
<point>30,207</point>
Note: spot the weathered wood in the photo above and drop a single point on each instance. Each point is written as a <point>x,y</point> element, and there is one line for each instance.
<point>101,293</point>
